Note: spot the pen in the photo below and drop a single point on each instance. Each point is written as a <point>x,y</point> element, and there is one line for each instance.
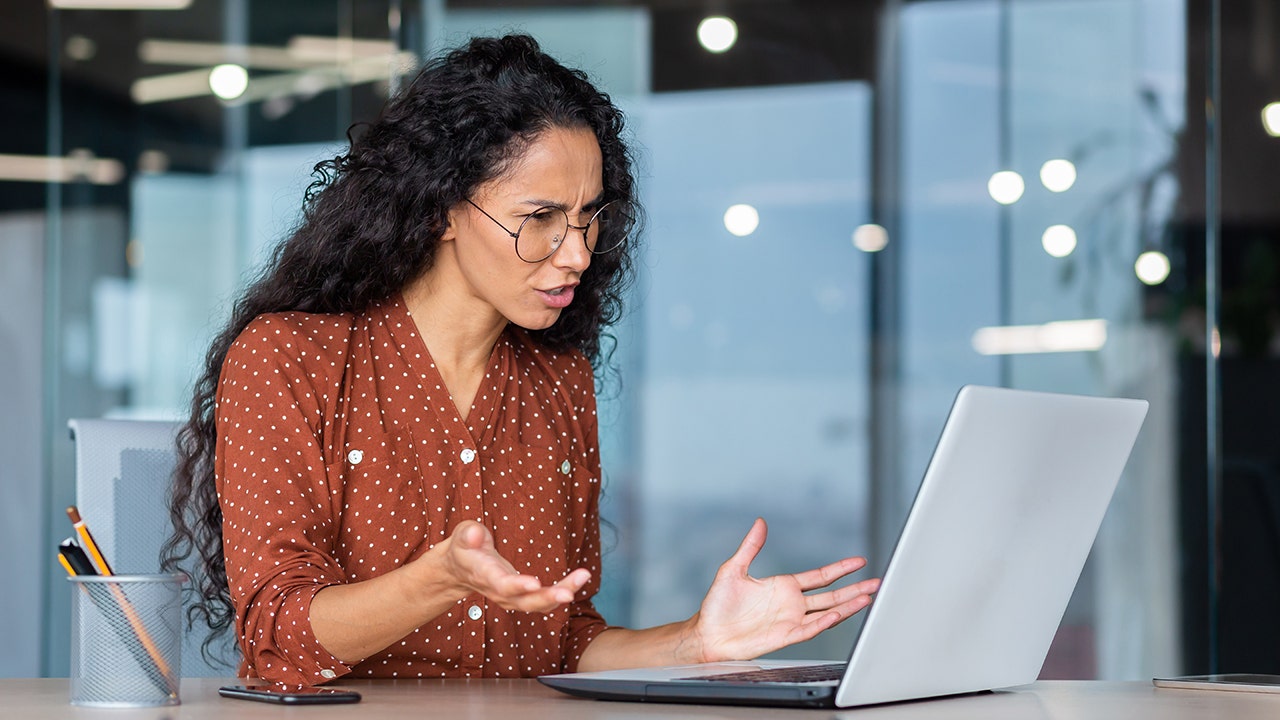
<point>74,559</point>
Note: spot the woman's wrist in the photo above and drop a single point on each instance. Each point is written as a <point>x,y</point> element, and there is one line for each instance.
<point>691,647</point>
<point>431,579</point>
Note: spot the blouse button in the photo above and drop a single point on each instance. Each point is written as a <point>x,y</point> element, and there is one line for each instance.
<point>328,674</point>
<point>468,455</point>
<point>565,467</point>
<point>354,457</point>
<point>474,612</point>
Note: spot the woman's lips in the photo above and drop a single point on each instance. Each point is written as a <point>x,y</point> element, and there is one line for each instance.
<point>557,297</point>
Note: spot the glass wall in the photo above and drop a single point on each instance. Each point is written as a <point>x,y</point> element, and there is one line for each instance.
<point>854,209</point>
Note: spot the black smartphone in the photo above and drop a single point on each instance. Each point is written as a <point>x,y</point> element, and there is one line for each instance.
<point>290,695</point>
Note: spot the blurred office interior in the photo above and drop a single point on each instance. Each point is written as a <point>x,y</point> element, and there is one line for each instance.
<point>854,208</point>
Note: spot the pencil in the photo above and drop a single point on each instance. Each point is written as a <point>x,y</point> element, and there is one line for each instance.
<point>63,560</point>
<point>139,629</point>
<point>86,541</point>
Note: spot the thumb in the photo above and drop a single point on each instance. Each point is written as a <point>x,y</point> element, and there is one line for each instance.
<point>750,546</point>
<point>470,535</point>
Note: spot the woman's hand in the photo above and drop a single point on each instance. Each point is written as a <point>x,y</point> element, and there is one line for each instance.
<point>475,565</point>
<point>744,617</point>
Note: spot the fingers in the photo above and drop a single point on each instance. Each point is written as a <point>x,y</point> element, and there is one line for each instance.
<point>827,600</point>
<point>816,623</point>
<point>827,574</point>
<point>527,594</point>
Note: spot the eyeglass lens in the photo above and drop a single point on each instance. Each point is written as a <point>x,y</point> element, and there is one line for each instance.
<point>542,233</point>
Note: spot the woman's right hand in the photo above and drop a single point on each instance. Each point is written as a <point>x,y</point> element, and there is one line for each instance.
<point>472,560</point>
<point>354,620</point>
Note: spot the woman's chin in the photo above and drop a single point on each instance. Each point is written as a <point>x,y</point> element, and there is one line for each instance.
<point>536,320</point>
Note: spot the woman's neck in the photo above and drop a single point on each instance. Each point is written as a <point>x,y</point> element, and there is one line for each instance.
<point>458,331</point>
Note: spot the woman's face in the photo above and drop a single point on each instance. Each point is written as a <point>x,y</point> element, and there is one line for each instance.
<point>562,168</point>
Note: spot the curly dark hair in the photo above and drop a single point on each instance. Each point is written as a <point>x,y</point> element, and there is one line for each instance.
<point>384,204</point>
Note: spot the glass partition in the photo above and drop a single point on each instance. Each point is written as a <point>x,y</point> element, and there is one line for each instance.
<point>853,209</point>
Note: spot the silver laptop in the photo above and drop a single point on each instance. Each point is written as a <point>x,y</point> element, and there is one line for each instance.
<point>984,567</point>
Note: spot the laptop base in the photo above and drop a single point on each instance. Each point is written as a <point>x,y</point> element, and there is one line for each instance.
<point>700,693</point>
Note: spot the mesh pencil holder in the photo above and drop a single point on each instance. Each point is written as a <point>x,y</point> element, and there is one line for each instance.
<point>126,639</point>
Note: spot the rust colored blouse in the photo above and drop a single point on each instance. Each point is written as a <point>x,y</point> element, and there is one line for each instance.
<point>341,456</point>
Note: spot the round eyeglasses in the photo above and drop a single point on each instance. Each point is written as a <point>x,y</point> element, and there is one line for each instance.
<point>544,230</point>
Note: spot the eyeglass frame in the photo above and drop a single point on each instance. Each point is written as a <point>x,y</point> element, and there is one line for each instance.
<point>568,226</point>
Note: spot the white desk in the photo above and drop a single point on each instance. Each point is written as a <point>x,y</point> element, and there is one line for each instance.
<point>429,699</point>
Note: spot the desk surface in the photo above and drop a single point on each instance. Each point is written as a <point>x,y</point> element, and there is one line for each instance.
<point>47,698</point>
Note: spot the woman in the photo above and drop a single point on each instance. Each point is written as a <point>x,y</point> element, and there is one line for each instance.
<point>393,447</point>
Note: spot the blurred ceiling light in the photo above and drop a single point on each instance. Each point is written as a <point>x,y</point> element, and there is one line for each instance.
<point>323,49</point>
<point>119,4</point>
<point>717,33</point>
<point>303,52</point>
<point>1006,187</point>
<point>741,220</point>
<point>1062,336</point>
<point>79,166</point>
<point>173,86</point>
<point>208,54</point>
<point>1152,267</point>
<point>81,48</point>
<point>1271,119</point>
<point>1058,240</point>
<point>309,81</point>
<point>307,84</point>
<point>153,161</point>
<point>228,81</point>
<point>870,238</point>
<point>1058,175</point>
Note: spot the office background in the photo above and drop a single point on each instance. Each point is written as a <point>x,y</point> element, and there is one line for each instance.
<point>854,208</point>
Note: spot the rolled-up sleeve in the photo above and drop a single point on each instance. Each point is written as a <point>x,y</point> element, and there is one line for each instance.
<point>277,506</point>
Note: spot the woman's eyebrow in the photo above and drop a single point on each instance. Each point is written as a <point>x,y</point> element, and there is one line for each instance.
<point>539,203</point>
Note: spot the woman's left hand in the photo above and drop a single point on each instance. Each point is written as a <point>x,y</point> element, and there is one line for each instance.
<point>744,617</point>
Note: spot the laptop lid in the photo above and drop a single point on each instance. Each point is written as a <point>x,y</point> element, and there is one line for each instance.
<point>983,570</point>
<point>993,546</point>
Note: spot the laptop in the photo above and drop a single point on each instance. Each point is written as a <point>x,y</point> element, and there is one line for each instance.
<point>981,574</point>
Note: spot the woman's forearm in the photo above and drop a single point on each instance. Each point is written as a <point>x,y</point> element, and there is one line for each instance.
<point>617,648</point>
<point>356,620</point>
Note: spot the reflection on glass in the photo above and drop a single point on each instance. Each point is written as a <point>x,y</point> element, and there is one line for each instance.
<point>1271,119</point>
<point>717,34</point>
<point>1058,175</point>
<point>1152,267</point>
<point>228,81</point>
<point>1052,337</point>
<point>741,220</point>
<point>870,238</point>
<point>1006,187</point>
<point>1058,240</point>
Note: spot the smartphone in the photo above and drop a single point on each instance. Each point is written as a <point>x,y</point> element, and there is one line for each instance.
<point>1236,682</point>
<point>290,694</point>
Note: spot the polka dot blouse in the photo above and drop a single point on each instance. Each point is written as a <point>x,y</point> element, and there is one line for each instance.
<point>341,456</point>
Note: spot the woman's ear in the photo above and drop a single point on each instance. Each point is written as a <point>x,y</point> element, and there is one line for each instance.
<point>456,218</point>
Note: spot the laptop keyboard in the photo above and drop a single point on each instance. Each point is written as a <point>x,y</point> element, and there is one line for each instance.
<point>793,674</point>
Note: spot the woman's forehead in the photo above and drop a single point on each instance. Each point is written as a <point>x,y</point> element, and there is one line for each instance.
<point>560,163</point>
